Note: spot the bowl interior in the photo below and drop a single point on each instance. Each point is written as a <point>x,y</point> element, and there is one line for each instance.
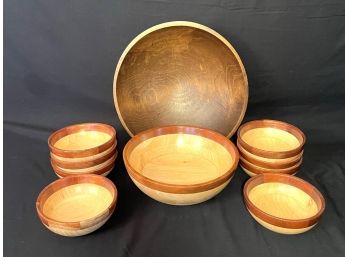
<point>81,140</point>
<point>283,201</point>
<point>180,159</point>
<point>77,202</point>
<point>270,139</point>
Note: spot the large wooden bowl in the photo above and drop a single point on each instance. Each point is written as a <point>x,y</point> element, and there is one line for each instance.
<point>82,140</point>
<point>268,162</point>
<point>180,165</point>
<point>180,73</point>
<point>76,205</point>
<point>100,169</point>
<point>283,203</point>
<point>271,139</point>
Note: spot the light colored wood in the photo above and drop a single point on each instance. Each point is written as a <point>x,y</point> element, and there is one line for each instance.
<point>103,174</point>
<point>281,230</point>
<point>270,139</point>
<point>180,199</point>
<point>84,159</point>
<point>180,73</point>
<point>82,140</point>
<point>180,159</point>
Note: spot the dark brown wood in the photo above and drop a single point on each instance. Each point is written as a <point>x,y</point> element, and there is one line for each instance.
<point>271,124</point>
<point>290,180</point>
<point>81,127</point>
<point>180,73</point>
<point>72,180</point>
<point>180,189</point>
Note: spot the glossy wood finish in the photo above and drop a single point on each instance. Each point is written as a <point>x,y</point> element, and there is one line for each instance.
<point>257,169</point>
<point>82,140</point>
<point>76,205</point>
<point>180,160</point>
<point>271,139</point>
<point>268,162</point>
<point>283,203</point>
<point>180,73</point>
<point>100,169</point>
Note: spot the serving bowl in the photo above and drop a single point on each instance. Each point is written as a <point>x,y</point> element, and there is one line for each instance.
<point>271,139</point>
<point>76,205</point>
<point>180,73</point>
<point>283,203</point>
<point>82,140</point>
<point>180,165</point>
<point>101,169</point>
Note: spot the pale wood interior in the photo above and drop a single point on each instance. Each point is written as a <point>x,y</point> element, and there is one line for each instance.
<point>180,159</point>
<point>82,140</point>
<point>283,201</point>
<point>270,139</point>
<point>77,202</point>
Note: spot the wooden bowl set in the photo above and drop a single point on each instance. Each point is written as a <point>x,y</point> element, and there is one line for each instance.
<point>180,91</point>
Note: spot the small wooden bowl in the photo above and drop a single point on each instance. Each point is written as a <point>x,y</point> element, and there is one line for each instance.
<point>180,165</point>
<point>253,170</point>
<point>268,162</point>
<point>271,139</point>
<point>283,203</point>
<point>76,205</point>
<point>82,140</point>
<point>101,169</point>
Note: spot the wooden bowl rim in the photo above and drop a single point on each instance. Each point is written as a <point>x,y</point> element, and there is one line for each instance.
<point>266,123</point>
<point>175,188</point>
<point>267,165</point>
<point>179,24</point>
<point>58,170</point>
<point>73,180</point>
<point>301,184</point>
<point>101,127</point>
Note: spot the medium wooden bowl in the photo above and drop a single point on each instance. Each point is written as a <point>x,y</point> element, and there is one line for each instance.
<point>252,169</point>
<point>76,205</point>
<point>283,203</point>
<point>101,169</point>
<point>180,73</point>
<point>82,140</point>
<point>271,139</point>
<point>268,162</point>
<point>180,165</point>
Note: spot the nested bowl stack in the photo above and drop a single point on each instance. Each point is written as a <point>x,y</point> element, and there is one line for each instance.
<point>76,205</point>
<point>180,165</point>
<point>88,148</point>
<point>283,203</point>
<point>270,146</point>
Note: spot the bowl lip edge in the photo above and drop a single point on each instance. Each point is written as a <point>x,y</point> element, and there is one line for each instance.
<point>177,188</point>
<point>182,23</point>
<point>282,222</point>
<point>77,224</point>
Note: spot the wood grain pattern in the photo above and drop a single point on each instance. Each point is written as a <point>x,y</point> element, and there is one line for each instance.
<point>76,205</point>
<point>169,159</point>
<point>271,139</point>
<point>180,73</point>
<point>283,201</point>
<point>82,140</point>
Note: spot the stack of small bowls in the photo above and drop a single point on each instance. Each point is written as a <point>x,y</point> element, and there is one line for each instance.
<point>270,146</point>
<point>88,148</point>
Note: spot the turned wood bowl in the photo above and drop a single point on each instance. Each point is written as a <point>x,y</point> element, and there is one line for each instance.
<point>100,169</point>
<point>76,205</point>
<point>252,169</point>
<point>283,203</point>
<point>180,165</point>
<point>180,73</point>
<point>271,139</point>
<point>82,140</point>
<point>268,162</point>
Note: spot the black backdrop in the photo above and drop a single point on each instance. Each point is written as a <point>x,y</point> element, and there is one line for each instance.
<point>59,61</point>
